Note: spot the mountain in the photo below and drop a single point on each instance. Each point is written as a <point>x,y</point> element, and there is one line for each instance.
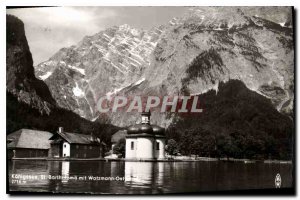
<point>190,55</point>
<point>102,64</point>
<point>28,99</point>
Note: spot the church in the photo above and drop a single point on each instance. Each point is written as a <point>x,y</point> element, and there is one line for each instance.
<point>145,141</point>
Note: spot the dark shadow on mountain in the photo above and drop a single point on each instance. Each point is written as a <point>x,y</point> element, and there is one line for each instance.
<point>235,122</point>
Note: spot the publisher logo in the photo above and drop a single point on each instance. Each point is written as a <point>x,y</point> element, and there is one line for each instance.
<point>278,181</point>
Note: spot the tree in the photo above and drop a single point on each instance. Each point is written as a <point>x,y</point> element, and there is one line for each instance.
<point>172,147</point>
<point>119,148</point>
<point>236,122</point>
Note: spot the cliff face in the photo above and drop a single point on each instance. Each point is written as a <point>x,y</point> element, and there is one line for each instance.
<point>210,45</point>
<point>29,101</point>
<point>191,54</point>
<point>20,79</point>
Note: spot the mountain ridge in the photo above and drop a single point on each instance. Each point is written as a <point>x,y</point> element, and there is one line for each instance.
<point>191,54</point>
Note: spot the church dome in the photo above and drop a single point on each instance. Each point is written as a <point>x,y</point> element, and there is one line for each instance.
<point>134,129</point>
<point>146,128</point>
<point>140,128</point>
<point>157,130</point>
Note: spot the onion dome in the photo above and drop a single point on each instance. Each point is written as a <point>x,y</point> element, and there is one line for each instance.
<point>157,130</point>
<point>134,129</point>
<point>146,128</point>
<point>139,129</point>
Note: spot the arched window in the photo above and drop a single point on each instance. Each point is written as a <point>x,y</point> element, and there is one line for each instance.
<point>132,145</point>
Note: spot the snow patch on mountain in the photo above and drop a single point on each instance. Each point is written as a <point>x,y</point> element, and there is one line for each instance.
<point>44,77</point>
<point>115,91</point>
<point>282,24</point>
<point>77,91</point>
<point>77,69</point>
<point>139,82</point>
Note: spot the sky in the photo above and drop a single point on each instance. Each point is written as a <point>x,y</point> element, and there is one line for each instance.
<point>49,29</point>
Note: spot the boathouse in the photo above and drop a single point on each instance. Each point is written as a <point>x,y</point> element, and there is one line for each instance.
<point>145,141</point>
<point>74,145</point>
<point>27,143</point>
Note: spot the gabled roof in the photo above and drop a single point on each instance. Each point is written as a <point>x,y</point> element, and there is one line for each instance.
<point>76,138</point>
<point>27,138</point>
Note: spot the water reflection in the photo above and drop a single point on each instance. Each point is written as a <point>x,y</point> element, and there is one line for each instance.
<point>138,173</point>
<point>65,171</point>
<point>146,177</point>
<point>33,168</point>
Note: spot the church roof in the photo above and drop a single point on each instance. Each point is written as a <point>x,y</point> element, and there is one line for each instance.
<point>145,129</point>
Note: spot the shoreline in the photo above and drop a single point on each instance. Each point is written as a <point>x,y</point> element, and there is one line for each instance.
<point>201,159</point>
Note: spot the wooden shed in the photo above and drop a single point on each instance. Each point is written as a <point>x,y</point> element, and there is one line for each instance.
<point>27,143</point>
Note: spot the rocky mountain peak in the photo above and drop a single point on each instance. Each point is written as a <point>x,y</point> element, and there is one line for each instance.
<point>118,55</point>
<point>190,54</point>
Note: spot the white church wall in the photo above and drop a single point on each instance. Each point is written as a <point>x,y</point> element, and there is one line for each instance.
<point>160,153</point>
<point>145,148</point>
<point>130,153</point>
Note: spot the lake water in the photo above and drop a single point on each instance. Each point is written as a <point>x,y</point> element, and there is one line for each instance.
<point>143,177</point>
